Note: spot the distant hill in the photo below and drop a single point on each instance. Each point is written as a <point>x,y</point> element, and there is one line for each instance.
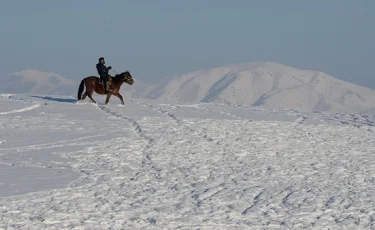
<point>255,84</point>
<point>37,82</point>
<point>265,84</point>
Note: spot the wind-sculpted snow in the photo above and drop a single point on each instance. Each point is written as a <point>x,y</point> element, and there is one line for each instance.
<point>183,166</point>
<point>21,110</point>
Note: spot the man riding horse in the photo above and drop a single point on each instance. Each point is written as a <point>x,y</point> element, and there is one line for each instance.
<point>93,83</point>
<point>103,73</point>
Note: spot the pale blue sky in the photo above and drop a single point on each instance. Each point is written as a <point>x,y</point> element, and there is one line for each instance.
<point>163,38</point>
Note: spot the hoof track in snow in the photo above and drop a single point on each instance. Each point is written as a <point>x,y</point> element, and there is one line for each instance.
<point>180,122</point>
<point>134,123</point>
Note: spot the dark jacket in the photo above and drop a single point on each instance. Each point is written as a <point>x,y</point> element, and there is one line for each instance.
<point>102,70</point>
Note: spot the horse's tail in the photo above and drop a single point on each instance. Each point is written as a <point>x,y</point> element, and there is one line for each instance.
<point>80,89</point>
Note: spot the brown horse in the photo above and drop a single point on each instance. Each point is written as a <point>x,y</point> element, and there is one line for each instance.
<point>94,84</point>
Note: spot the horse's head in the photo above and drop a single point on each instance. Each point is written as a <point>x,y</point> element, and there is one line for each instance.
<point>127,77</point>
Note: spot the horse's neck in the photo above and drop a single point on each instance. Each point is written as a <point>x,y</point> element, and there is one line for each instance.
<point>118,81</point>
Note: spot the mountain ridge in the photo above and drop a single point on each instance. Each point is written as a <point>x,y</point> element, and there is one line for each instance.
<point>265,84</point>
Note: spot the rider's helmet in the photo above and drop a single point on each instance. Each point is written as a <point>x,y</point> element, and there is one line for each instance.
<point>101,58</point>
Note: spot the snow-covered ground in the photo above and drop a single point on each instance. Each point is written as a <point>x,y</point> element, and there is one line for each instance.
<point>153,165</point>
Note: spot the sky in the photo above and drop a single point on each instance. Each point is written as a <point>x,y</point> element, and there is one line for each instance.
<point>165,38</point>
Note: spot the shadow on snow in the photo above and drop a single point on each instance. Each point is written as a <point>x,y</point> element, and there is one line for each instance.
<point>66,100</point>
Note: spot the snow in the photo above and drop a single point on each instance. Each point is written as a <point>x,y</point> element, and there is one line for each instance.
<point>265,84</point>
<point>161,165</point>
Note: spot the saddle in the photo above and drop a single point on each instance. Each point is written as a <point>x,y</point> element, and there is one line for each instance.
<point>101,82</point>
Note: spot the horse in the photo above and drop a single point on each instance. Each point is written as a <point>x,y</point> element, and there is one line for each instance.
<point>94,84</point>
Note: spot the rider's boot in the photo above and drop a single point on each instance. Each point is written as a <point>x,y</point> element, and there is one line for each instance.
<point>105,86</point>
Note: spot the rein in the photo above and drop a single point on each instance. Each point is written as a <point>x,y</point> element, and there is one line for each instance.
<point>114,71</point>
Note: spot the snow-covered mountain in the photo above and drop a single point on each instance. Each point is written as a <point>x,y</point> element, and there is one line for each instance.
<point>37,82</point>
<point>265,84</point>
<point>256,84</point>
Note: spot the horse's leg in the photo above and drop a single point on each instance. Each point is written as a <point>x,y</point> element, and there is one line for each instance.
<point>109,94</point>
<point>84,96</point>
<point>119,96</point>
<point>89,94</point>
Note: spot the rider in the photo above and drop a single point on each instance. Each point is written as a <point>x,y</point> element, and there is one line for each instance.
<point>103,73</point>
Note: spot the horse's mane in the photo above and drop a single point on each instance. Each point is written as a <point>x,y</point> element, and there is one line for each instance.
<point>122,74</point>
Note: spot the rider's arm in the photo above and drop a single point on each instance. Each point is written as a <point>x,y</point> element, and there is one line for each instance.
<point>102,69</point>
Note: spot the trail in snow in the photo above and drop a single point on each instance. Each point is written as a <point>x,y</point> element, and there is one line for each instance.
<point>179,122</point>
<point>147,161</point>
<point>145,166</point>
<point>134,123</point>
